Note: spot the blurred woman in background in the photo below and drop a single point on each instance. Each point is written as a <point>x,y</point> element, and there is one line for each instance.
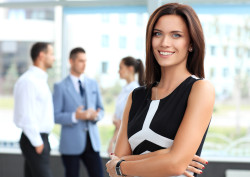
<point>128,69</point>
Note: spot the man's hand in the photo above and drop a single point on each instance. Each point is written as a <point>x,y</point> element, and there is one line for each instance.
<point>79,113</point>
<point>89,114</point>
<point>39,149</point>
<point>92,114</point>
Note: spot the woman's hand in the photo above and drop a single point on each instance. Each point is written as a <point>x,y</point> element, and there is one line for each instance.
<point>195,166</point>
<point>111,164</point>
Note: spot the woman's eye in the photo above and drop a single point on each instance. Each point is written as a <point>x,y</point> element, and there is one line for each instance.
<point>176,35</point>
<point>156,34</point>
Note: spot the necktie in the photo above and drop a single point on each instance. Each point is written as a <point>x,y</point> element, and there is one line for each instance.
<point>80,87</point>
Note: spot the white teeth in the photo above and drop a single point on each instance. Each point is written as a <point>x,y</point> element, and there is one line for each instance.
<point>166,53</point>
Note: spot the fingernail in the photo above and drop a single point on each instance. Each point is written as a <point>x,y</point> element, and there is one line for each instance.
<point>201,172</point>
<point>206,162</point>
<point>111,153</point>
<point>203,167</point>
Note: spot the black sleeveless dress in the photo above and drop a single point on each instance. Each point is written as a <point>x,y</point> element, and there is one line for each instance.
<point>153,124</point>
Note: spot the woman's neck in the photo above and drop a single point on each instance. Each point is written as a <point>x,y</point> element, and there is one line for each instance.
<point>130,79</point>
<point>171,78</point>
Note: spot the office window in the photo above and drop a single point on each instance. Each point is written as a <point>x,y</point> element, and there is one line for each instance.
<point>104,67</point>
<point>227,30</point>
<point>122,42</point>
<point>105,18</point>
<point>213,50</point>
<point>237,52</point>
<point>225,51</point>
<point>225,72</point>
<point>123,19</point>
<point>212,72</point>
<point>16,14</point>
<point>248,72</point>
<point>34,13</point>
<point>139,19</point>
<point>139,43</point>
<point>237,71</point>
<point>105,41</point>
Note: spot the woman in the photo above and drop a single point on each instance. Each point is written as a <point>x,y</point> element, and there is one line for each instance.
<point>129,67</point>
<point>170,116</point>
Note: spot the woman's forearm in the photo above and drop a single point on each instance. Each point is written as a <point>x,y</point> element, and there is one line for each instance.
<point>153,166</point>
<point>144,156</point>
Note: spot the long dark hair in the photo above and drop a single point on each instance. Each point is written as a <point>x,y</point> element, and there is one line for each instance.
<point>138,67</point>
<point>195,61</point>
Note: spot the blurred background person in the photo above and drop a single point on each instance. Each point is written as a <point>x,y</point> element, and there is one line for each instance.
<point>33,112</point>
<point>78,107</point>
<point>128,68</point>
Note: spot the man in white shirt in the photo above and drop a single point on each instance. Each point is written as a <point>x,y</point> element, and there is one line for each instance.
<point>33,111</point>
<point>78,107</point>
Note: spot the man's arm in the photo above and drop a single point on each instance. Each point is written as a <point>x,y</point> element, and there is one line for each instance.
<point>67,118</point>
<point>64,118</point>
<point>99,105</point>
<point>25,112</point>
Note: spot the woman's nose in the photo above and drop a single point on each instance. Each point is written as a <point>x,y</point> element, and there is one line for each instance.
<point>166,41</point>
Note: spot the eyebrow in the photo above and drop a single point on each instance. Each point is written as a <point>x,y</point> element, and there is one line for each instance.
<point>175,31</point>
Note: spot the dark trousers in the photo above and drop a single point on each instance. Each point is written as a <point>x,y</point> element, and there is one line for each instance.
<point>35,165</point>
<point>89,157</point>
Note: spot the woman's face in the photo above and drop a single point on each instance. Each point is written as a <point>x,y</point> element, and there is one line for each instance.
<point>124,70</point>
<point>171,41</point>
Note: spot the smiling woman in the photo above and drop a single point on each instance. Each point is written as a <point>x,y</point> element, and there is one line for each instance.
<point>171,43</point>
<point>176,103</point>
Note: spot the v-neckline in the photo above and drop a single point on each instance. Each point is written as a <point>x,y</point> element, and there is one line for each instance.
<point>169,93</point>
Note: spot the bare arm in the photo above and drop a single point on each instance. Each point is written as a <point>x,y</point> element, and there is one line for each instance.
<point>189,135</point>
<point>187,140</point>
<point>117,123</point>
<point>122,147</point>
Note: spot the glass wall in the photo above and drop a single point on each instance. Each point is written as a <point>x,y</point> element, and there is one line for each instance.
<point>110,33</point>
<point>227,65</point>
<point>107,35</point>
<point>20,29</point>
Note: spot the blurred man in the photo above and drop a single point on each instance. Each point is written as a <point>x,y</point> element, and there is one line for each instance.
<point>78,107</point>
<point>33,112</point>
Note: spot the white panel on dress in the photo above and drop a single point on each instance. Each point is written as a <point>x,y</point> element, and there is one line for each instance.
<point>147,134</point>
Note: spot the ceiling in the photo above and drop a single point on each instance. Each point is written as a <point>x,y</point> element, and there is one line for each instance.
<point>86,3</point>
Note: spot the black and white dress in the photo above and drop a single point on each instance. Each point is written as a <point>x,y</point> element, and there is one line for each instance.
<point>153,124</point>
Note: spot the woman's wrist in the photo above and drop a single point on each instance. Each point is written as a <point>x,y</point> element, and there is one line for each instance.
<point>118,168</point>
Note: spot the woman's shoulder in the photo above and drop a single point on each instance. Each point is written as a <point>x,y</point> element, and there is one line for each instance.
<point>203,84</point>
<point>140,88</point>
<point>203,87</point>
<point>140,91</point>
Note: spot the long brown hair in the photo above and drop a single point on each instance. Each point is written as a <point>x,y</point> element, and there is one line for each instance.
<point>138,67</point>
<point>195,61</point>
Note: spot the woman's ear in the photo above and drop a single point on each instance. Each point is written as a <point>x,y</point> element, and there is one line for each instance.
<point>190,49</point>
<point>131,69</point>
